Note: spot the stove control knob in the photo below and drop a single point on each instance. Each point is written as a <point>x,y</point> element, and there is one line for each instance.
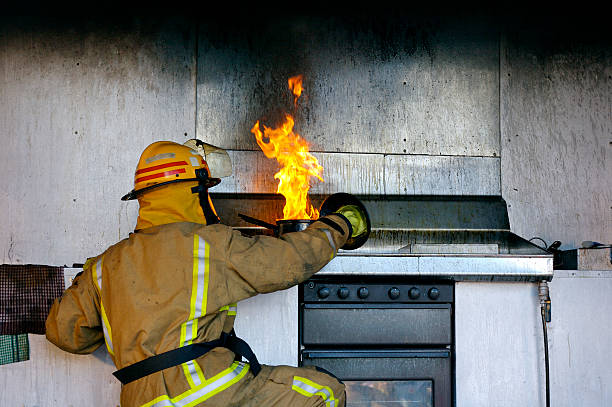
<point>394,293</point>
<point>414,293</point>
<point>433,293</point>
<point>323,292</point>
<point>363,293</point>
<point>343,292</point>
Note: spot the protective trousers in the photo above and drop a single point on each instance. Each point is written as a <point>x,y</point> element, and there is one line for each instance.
<point>284,386</point>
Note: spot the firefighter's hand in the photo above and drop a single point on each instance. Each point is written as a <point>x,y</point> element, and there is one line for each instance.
<point>356,217</point>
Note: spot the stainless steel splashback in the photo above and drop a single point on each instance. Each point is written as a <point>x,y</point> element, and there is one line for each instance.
<point>394,212</point>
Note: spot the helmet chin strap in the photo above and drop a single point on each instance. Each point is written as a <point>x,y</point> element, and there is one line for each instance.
<point>202,190</point>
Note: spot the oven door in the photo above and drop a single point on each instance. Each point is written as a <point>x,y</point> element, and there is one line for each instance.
<point>356,324</point>
<point>390,377</point>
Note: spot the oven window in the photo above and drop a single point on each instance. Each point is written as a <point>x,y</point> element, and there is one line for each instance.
<point>391,393</point>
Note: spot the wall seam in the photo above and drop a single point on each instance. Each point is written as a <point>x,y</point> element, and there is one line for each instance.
<point>499,90</point>
<point>195,84</point>
<point>382,153</point>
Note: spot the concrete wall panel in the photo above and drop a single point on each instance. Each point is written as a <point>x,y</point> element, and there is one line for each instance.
<point>273,315</point>
<point>53,378</point>
<point>371,86</point>
<point>556,123</point>
<point>80,101</point>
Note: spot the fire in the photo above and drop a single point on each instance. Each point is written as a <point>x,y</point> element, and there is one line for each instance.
<point>295,84</point>
<point>298,166</point>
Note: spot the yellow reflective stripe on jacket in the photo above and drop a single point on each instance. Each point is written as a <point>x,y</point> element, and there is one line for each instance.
<point>106,328</point>
<point>309,388</point>
<point>204,391</point>
<point>231,309</point>
<point>96,273</point>
<point>197,306</point>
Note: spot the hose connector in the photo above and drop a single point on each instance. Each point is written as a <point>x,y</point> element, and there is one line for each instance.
<point>544,295</point>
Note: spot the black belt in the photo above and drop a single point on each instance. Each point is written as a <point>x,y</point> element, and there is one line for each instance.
<point>185,354</point>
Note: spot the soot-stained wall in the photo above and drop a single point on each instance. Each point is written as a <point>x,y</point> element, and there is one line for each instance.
<point>396,105</point>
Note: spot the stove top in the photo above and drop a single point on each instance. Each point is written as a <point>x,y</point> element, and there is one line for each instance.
<point>456,237</point>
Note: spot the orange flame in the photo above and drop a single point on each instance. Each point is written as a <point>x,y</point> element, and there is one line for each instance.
<point>295,84</point>
<point>297,164</point>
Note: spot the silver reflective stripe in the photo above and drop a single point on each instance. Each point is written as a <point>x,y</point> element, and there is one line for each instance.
<point>199,288</point>
<point>231,309</point>
<point>311,391</point>
<point>106,329</point>
<point>107,336</point>
<point>330,238</point>
<point>198,395</point>
<point>189,325</point>
<point>190,366</point>
<point>209,388</point>
<point>99,274</point>
<point>163,403</point>
<point>201,285</point>
<point>193,373</point>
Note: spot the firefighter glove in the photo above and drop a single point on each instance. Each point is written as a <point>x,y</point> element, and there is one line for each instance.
<point>356,217</point>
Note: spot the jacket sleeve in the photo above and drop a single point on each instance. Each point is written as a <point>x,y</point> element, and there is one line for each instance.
<point>265,264</point>
<point>74,323</point>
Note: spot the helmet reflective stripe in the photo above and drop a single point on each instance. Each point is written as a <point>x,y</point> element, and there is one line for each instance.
<point>159,157</point>
<point>206,390</point>
<point>309,388</point>
<point>96,273</point>
<point>160,166</point>
<point>159,175</point>
<point>197,308</point>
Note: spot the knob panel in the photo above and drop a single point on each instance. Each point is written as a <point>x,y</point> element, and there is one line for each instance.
<point>376,292</point>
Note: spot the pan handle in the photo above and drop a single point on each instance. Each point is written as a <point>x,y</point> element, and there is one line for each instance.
<point>258,222</point>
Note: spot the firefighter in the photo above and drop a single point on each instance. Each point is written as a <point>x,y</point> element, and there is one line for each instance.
<point>164,299</point>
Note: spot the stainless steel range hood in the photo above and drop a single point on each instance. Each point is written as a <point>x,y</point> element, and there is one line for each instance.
<point>450,237</point>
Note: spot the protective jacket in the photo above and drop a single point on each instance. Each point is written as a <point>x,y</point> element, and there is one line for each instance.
<point>170,285</point>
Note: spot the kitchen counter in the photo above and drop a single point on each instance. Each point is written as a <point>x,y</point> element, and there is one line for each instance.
<point>454,267</point>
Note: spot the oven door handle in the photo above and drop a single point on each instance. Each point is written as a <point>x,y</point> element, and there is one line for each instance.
<point>375,306</point>
<point>378,353</point>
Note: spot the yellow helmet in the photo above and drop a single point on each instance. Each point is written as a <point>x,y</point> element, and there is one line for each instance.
<point>165,162</point>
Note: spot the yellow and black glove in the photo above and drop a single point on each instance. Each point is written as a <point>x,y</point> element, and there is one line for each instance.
<point>356,217</point>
